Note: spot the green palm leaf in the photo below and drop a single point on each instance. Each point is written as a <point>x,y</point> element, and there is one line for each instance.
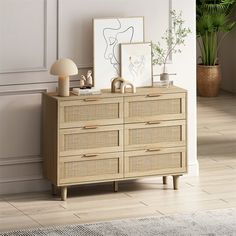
<point>213,22</point>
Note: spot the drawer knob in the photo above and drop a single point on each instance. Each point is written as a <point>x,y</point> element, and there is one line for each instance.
<point>153,95</point>
<point>91,127</point>
<point>153,150</point>
<point>90,155</point>
<point>153,123</point>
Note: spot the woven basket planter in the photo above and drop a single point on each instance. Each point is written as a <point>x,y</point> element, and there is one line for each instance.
<point>208,80</point>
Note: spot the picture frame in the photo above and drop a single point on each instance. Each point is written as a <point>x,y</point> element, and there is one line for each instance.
<point>108,34</point>
<point>136,63</point>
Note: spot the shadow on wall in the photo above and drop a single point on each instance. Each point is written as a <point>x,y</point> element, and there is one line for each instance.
<point>227,59</point>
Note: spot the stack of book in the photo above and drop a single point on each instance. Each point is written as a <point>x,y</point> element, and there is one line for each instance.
<point>78,91</point>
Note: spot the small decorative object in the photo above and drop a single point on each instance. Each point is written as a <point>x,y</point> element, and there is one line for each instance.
<point>214,22</point>
<point>174,37</point>
<point>86,82</point>
<point>82,81</point>
<point>126,84</point>
<point>108,34</point>
<point>89,80</point>
<point>116,84</point>
<point>136,63</point>
<point>64,68</point>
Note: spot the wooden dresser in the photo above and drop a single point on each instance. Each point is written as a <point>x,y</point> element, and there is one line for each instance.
<point>112,136</point>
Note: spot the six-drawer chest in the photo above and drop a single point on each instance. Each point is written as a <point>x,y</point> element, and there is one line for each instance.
<point>113,136</point>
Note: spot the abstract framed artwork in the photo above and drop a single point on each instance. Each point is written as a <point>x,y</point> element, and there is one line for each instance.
<point>108,35</point>
<point>136,63</point>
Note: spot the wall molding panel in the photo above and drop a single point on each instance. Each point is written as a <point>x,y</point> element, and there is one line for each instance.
<point>29,43</point>
<point>20,137</point>
<point>42,66</point>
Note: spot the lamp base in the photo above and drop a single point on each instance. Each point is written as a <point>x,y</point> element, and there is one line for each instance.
<point>64,86</point>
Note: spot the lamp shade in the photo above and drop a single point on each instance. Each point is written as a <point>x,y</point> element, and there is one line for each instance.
<point>64,67</point>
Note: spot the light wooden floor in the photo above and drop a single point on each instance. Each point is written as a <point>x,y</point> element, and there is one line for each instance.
<point>215,188</point>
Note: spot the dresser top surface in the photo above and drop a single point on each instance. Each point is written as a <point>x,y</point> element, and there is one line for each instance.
<point>106,93</point>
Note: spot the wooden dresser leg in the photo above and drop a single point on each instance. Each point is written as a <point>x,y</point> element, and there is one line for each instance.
<point>176,182</point>
<point>54,189</point>
<point>63,193</point>
<point>115,186</point>
<point>164,179</point>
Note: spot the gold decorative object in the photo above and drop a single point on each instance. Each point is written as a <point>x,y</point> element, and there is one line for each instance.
<point>116,84</point>
<point>126,84</point>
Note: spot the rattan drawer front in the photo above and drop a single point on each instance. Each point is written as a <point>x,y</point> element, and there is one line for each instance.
<point>91,111</point>
<point>155,134</point>
<point>91,139</point>
<point>155,107</point>
<point>88,168</point>
<point>152,162</point>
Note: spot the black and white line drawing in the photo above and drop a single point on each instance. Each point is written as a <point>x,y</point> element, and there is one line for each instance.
<point>109,33</point>
<point>114,36</point>
<point>136,63</point>
<point>136,66</point>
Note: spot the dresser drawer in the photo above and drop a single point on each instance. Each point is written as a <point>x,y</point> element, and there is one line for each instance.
<point>91,111</point>
<point>155,134</point>
<point>152,162</point>
<point>91,139</point>
<point>155,107</point>
<point>90,167</point>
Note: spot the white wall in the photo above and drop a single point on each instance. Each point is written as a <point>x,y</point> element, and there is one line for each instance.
<point>184,65</point>
<point>22,80</point>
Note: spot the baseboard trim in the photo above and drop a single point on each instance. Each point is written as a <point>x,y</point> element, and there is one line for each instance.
<point>24,186</point>
<point>20,160</point>
<point>193,169</point>
<point>21,179</point>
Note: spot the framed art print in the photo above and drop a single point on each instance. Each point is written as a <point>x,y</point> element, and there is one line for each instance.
<point>108,35</point>
<point>136,63</point>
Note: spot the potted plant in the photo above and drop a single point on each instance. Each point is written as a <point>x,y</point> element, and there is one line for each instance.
<point>174,38</point>
<point>213,24</point>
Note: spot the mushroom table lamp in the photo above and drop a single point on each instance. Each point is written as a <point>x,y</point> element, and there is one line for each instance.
<point>63,68</point>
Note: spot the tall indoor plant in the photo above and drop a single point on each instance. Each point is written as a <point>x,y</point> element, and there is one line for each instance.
<point>213,24</point>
